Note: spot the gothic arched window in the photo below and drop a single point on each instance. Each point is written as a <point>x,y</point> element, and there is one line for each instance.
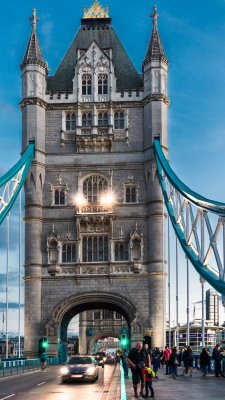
<point>119,120</point>
<point>68,253</point>
<point>59,197</point>
<point>102,119</point>
<point>121,251</point>
<point>131,194</point>
<point>70,122</point>
<point>136,250</point>
<point>95,248</point>
<point>94,187</point>
<point>103,84</point>
<point>87,119</point>
<point>86,85</point>
<point>53,252</point>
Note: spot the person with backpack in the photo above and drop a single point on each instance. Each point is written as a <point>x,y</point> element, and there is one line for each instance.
<point>187,358</point>
<point>148,376</point>
<point>217,359</point>
<point>204,361</point>
<point>173,362</point>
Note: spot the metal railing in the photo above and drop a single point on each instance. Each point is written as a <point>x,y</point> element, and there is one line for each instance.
<point>211,367</point>
<point>14,367</point>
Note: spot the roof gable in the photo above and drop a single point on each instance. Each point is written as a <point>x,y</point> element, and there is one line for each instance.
<point>105,37</point>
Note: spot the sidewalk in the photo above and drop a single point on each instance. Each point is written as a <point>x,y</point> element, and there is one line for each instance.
<point>184,387</point>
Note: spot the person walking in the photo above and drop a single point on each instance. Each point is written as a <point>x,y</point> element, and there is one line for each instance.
<point>217,359</point>
<point>204,361</point>
<point>124,357</point>
<point>166,354</point>
<point>136,359</point>
<point>187,358</point>
<point>173,362</point>
<point>156,361</point>
<point>147,354</point>
<point>148,377</point>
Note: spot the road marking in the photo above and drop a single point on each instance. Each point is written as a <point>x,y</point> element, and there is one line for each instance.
<point>7,397</point>
<point>39,384</point>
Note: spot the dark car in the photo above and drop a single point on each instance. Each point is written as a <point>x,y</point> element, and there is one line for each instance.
<point>100,358</point>
<point>80,368</point>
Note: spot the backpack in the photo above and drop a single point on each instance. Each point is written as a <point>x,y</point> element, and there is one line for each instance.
<point>150,373</point>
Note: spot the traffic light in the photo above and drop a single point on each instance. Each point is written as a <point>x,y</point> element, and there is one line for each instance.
<point>43,344</point>
<point>124,340</point>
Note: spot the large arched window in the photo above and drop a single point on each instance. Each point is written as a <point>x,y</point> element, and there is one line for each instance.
<point>119,120</point>
<point>94,187</point>
<point>102,119</point>
<point>87,119</point>
<point>121,251</point>
<point>95,248</point>
<point>103,84</point>
<point>86,85</point>
<point>68,253</point>
<point>70,122</point>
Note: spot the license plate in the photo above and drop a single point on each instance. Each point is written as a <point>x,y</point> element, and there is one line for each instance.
<point>76,376</point>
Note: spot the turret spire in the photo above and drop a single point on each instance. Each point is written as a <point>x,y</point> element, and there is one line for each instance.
<point>33,54</point>
<point>34,20</point>
<point>155,48</point>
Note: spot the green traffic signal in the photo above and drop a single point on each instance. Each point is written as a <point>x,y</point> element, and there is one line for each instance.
<point>124,340</point>
<point>43,344</point>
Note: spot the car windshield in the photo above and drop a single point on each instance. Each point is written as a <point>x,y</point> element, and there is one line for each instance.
<point>80,360</point>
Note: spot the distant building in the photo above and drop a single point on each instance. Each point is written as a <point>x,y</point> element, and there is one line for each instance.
<point>212,306</point>
<point>195,336</point>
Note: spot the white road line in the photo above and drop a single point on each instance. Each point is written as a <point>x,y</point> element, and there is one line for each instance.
<point>7,397</point>
<point>39,384</point>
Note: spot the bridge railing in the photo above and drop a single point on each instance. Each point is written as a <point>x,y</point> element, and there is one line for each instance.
<point>14,367</point>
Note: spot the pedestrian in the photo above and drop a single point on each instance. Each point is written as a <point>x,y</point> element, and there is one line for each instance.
<point>217,360</point>
<point>147,354</point>
<point>156,361</point>
<point>124,356</point>
<point>187,358</point>
<point>166,354</point>
<point>173,362</point>
<point>148,377</point>
<point>204,361</point>
<point>136,359</point>
<point>43,361</point>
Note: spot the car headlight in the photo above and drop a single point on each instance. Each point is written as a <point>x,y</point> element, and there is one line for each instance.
<point>64,370</point>
<point>104,359</point>
<point>90,371</point>
<point>101,361</point>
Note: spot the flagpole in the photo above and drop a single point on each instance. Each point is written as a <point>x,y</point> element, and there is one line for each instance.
<point>7,282</point>
<point>19,310</point>
<point>177,297</point>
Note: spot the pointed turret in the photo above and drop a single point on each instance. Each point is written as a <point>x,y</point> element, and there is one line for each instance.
<point>33,54</point>
<point>155,49</point>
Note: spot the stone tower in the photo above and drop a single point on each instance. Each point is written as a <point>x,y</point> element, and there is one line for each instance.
<point>94,211</point>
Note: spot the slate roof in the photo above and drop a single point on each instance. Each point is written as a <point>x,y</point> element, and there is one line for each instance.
<point>155,49</point>
<point>101,31</point>
<point>33,54</point>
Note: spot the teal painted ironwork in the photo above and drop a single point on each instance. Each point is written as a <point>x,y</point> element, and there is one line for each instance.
<point>16,175</point>
<point>195,198</point>
<point>123,395</point>
<point>165,171</point>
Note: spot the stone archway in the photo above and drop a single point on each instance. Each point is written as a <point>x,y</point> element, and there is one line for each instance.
<point>69,307</point>
<point>99,335</point>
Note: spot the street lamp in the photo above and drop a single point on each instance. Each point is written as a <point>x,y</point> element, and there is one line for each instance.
<point>107,199</point>
<point>79,200</point>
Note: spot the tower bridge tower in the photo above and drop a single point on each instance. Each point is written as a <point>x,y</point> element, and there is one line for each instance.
<point>93,211</point>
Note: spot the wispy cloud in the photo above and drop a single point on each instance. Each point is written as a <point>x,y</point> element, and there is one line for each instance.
<point>47,30</point>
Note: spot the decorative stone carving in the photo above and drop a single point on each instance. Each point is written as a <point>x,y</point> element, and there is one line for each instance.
<point>52,329</point>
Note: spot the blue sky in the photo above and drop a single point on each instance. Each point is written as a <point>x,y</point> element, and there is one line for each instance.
<point>193,37</point>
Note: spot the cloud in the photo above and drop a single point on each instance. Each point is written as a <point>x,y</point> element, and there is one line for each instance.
<point>11,305</point>
<point>46,30</point>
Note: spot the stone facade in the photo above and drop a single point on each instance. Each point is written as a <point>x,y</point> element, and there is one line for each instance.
<point>94,211</point>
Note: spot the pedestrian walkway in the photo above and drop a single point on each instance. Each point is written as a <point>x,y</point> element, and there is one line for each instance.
<point>184,387</point>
